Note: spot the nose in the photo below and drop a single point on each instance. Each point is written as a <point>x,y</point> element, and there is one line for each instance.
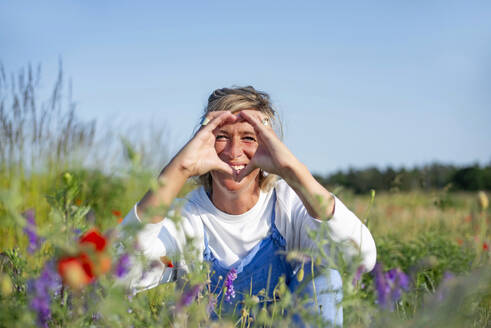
<point>233,149</point>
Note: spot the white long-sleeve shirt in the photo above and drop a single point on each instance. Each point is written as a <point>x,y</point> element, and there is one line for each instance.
<point>231,237</point>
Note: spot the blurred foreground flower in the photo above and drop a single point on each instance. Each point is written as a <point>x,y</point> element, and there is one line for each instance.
<point>30,231</point>
<point>122,266</point>
<point>389,285</point>
<point>94,239</point>
<point>188,297</point>
<point>91,261</point>
<point>76,271</point>
<point>442,290</point>
<point>358,275</point>
<point>47,283</point>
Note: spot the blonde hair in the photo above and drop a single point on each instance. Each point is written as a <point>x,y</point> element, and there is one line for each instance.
<point>236,99</point>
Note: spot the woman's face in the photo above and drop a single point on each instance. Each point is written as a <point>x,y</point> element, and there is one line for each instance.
<point>236,143</point>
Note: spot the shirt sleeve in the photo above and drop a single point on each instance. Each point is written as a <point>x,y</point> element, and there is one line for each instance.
<point>155,240</point>
<point>345,228</point>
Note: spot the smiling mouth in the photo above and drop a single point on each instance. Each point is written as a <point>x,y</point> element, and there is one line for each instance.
<point>237,168</point>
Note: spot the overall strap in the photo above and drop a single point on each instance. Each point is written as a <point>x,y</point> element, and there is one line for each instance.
<point>278,239</point>
<point>273,212</point>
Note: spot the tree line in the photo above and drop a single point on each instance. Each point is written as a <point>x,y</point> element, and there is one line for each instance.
<point>433,176</point>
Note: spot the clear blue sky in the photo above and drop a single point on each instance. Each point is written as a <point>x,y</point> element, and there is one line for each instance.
<point>357,83</point>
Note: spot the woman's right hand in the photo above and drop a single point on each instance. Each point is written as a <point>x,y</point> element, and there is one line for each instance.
<point>199,156</point>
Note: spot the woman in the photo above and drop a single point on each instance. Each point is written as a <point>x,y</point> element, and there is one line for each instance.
<point>257,202</point>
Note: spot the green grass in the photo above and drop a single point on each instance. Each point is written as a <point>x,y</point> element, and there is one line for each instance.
<point>427,235</point>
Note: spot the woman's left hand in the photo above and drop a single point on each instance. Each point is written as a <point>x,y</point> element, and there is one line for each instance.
<point>271,155</point>
<point>274,157</point>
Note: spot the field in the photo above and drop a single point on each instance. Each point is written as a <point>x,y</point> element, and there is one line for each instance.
<point>63,260</point>
<point>439,240</point>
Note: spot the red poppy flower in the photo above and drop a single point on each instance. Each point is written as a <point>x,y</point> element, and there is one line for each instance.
<point>95,238</point>
<point>485,246</point>
<point>76,271</point>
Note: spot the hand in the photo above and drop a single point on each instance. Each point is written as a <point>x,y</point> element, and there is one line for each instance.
<point>199,156</point>
<point>271,155</point>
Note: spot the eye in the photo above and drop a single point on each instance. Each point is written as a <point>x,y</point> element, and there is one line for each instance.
<point>220,137</point>
<point>249,139</point>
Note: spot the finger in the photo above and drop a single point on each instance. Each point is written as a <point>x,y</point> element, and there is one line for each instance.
<point>219,119</point>
<point>255,120</point>
<point>224,167</point>
<point>246,171</point>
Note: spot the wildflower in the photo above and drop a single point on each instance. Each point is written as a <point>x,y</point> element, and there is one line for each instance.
<point>383,289</point>
<point>442,290</point>
<point>76,271</point>
<point>41,302</point>
<point>398,281</point>
<point>95,238</point>
<point>123,266</point>
<point>30,231</point>
<point>81,269</point>
<point>187,297</point>
<point>229,285</point>
<point>358,274</point>
<point>42,306</point>
<point>485,246</point>
<point>389,285</point>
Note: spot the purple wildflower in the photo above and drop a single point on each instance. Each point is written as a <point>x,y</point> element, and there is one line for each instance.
<point>442,289</point>
<point>42,306</point>
<point>187,297</point>
<point>123,265</point>
<point>229,285</point>
<point>381,285</point>
<point>30,231</point>
<point>389,285</point>
<point>397,281</point>
<point>358,274</point>
<point>47,282</point>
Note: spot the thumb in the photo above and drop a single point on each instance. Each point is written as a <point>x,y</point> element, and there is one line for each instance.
<point>245,171</point>
<point>223,167</point>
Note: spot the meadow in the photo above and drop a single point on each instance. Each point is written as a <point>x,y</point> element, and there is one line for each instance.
<point>63,261</point>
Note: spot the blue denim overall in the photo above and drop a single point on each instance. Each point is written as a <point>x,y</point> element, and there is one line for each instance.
<point>262,268</point>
